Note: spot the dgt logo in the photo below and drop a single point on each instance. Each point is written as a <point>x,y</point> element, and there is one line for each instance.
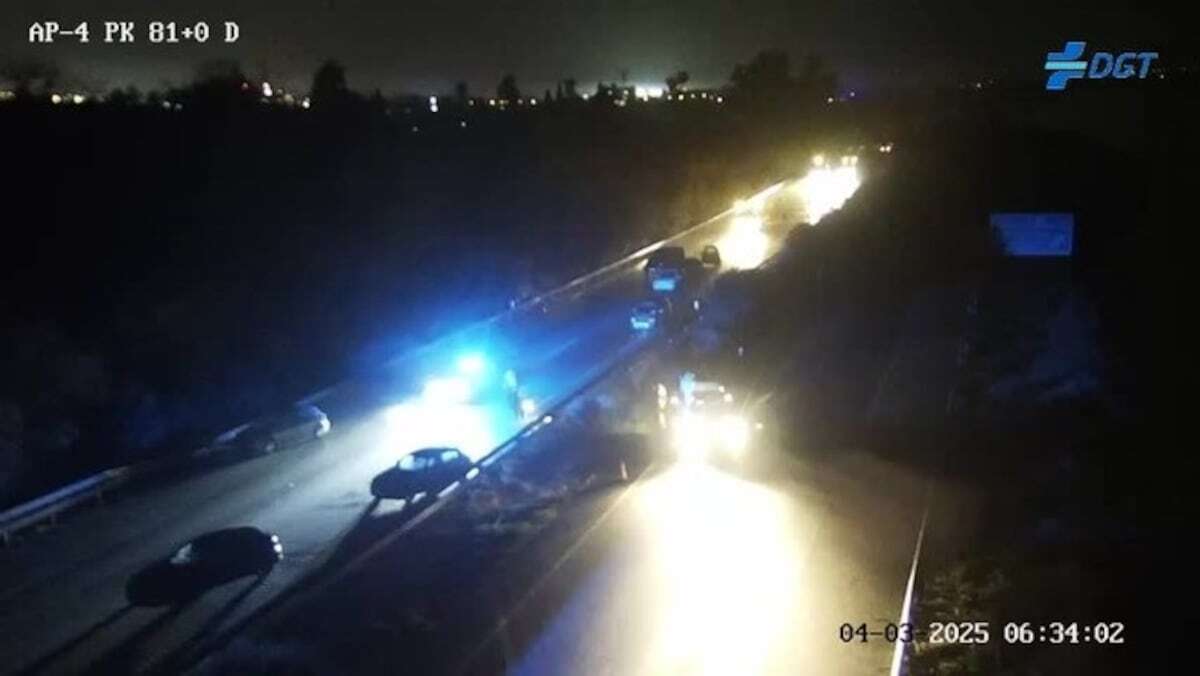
<point>1066,65</point>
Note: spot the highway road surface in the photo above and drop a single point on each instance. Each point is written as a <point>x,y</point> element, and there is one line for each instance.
<point>699,571</point>
<point>63,607</point>
<point>690,568</point>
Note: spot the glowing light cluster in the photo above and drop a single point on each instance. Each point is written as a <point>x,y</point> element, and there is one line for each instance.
<point>696,435</point>
<point>450,390</point>
<point>744,245</point>
<point>825,189</point>
<point>423,423</point>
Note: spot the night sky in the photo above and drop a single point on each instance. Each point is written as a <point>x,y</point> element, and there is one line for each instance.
<point>427,46</point>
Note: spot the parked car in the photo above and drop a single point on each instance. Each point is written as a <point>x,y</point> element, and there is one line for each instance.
<point>209,561</point>
<point>665,270</point>
<point>291,428</point>
<point>428,470</point>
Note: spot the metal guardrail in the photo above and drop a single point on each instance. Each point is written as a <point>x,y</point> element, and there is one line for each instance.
<point>49,506</point>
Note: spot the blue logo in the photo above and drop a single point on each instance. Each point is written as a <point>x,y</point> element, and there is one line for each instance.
<point>1068,65</point>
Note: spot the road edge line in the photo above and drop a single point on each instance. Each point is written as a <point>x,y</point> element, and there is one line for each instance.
<point>906,607</point>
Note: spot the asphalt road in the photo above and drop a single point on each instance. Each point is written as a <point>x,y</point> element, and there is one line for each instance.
<point>62,600</point>
<point>695,570</point>
<point>688,569</point>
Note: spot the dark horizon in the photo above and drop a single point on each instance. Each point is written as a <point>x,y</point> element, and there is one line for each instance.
<point>424,49</point>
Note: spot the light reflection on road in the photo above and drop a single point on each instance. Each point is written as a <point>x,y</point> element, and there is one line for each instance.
<point>744,245</point>
<point>727,572</point>
<point>826,189</point>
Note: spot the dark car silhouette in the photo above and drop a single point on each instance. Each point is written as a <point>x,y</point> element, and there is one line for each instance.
<point>209,561</point>
<point>428,470</point>
<point>710,255</point>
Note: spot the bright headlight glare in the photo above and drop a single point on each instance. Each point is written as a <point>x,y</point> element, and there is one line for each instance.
<point>447,390</point>
<point>471,364</point>
<point>528,406</point>
<point>691,436</point>
<point>734,433</point>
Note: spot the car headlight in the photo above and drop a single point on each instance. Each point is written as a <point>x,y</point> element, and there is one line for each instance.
<point>734,433</point>
<point>691,436</point>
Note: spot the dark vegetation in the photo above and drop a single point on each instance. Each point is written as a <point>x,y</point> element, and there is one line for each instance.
<point>1044,379</point>
<point>181,261</point>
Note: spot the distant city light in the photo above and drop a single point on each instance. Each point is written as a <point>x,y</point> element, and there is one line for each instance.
<point>462,123</point>
<point>829,99</point>
<point>533,102</point>
<point>77,99</point>
<point>267,91</point>
<point>818,160</point>
<point>55,99</point>
<point>433,104</point>
<point>305,103</point>
<point>720,99</point>
<point>415,129</point>
<point>491,102</point>
<point>166,105</point>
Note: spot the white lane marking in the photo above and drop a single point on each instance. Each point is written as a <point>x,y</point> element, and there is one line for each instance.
<point>906,608</point>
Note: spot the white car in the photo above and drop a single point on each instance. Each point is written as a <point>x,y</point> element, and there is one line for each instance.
<point>291,428</point>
